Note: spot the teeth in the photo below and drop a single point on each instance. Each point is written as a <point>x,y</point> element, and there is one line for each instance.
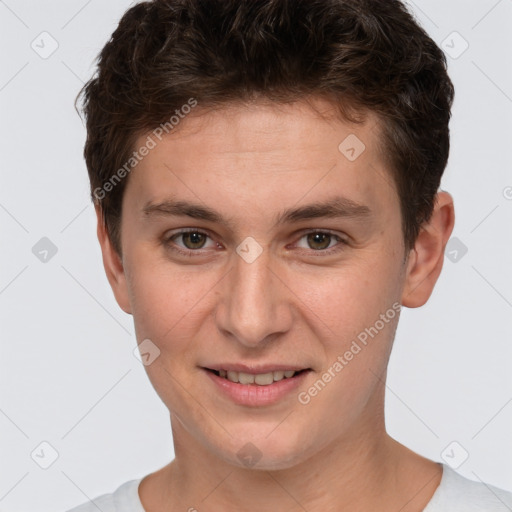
<point>233,376</point>
<point>262,379</point>
<point>278,375</point>
<point>246,378</point>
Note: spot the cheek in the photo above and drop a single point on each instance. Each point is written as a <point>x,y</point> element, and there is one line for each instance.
<point>166,310</point>
<point>155,304</point>
<point>164,297</point>
<point>343,302</point>
<point>354,313</point>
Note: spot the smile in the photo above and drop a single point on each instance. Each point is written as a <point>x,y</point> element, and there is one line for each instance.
<point>261,379</point>
<point>256,387</point>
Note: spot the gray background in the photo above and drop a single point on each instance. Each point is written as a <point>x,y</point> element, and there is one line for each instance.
<point>68,375</point>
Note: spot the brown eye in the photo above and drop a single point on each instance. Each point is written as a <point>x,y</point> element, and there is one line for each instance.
<point>319,241</point>
<point>193,240</point>
<point>190,242</point>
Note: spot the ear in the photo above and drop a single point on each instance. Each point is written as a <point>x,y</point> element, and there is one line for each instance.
<point>113,265</point>
<point>426,258</point>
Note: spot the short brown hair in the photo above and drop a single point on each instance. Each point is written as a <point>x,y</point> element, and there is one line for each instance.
<point>361,54</point>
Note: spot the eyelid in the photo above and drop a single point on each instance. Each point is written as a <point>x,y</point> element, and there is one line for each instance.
<point>326,231</point>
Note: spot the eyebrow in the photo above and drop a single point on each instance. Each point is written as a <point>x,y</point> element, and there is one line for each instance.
<point>337,207</point>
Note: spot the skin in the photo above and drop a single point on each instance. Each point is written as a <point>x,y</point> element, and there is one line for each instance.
<point>295,304</point>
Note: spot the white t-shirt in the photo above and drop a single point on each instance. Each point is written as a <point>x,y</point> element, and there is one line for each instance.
<point>454,494</point>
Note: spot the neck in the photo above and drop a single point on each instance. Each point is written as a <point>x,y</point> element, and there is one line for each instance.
<point>364,469</point>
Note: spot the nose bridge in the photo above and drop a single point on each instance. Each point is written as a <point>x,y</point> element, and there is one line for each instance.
<point>253,305</point>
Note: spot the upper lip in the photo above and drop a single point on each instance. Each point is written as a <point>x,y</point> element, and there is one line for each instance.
<point>255,369</point>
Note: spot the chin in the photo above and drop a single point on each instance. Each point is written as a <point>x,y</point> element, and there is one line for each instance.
<point>274,452</point>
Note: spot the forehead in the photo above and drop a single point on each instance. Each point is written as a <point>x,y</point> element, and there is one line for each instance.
<point>264,126</point>
<point>263,154</point>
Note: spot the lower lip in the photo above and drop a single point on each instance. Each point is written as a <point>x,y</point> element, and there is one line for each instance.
<point>254,394</point>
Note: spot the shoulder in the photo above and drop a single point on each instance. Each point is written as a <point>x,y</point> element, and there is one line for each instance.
<point>459,494</point>
<point>124,499</point>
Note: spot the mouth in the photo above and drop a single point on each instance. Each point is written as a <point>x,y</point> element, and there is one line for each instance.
<point>259,379</point>
<point>256,386</point>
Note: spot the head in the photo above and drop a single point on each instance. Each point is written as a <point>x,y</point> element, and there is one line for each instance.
<point>300,146</point>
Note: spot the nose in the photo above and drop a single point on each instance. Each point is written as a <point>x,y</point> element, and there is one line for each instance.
<point>255,304</point>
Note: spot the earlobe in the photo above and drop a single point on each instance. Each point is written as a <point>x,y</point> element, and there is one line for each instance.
<point>113,265</point>
<point>426,258</point>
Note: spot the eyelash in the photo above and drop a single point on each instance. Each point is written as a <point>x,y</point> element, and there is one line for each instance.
<point>169,242</point>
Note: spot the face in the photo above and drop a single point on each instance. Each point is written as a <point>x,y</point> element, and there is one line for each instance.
<point>257,242</point>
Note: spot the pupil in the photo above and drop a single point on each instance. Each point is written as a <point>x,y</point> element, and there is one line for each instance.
<point>322,239</point>
<point>196,240</point>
